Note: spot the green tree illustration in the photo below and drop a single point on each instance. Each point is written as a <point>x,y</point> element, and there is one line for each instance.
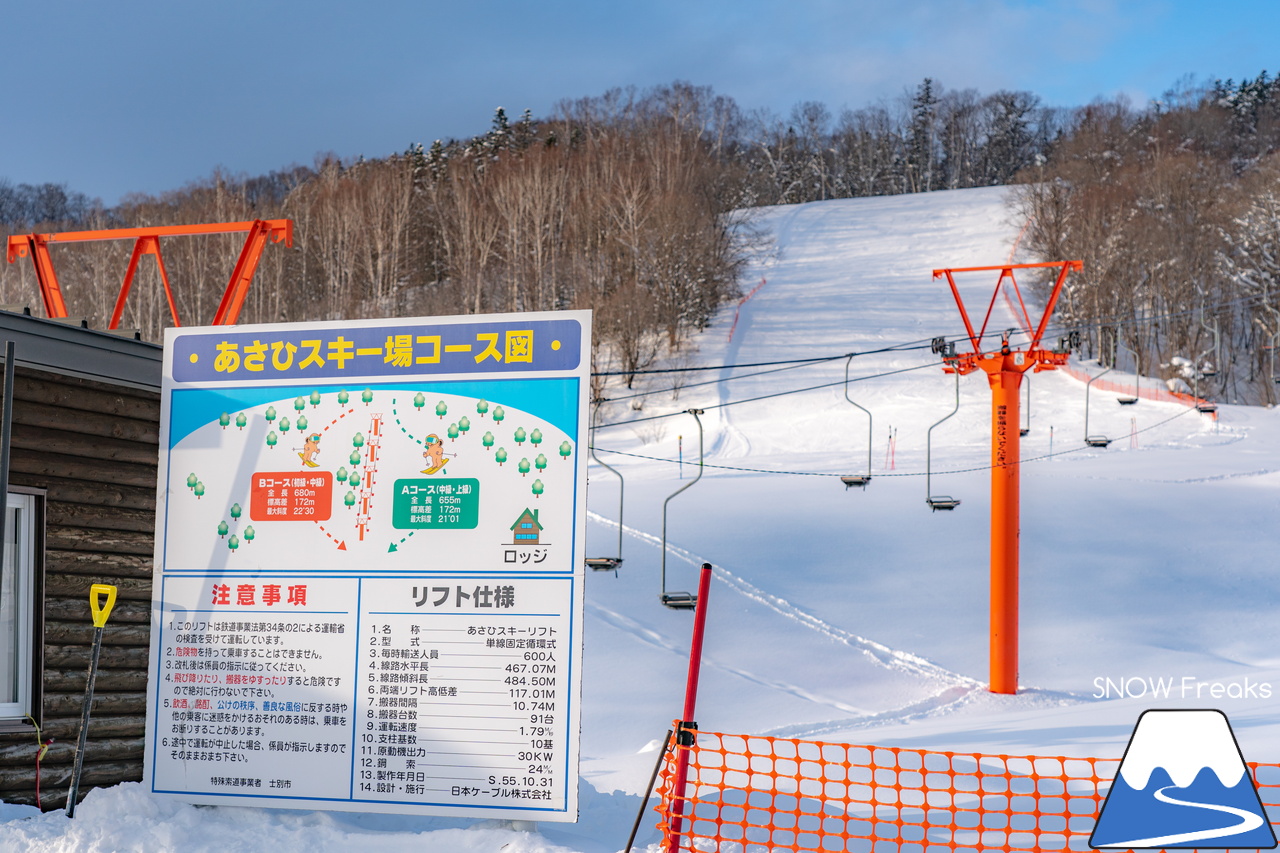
<point>464,424</point>
<point>222,529</point>
<point>349,499</point>
<point>354,459</point>
<point>233,543</point>
<point>520,435</point>
<point>453,431</point>
<point>523,467</point>
<point>499,414</point>
<point>442,409</point>
<point>537,488</point>
<point>284,424</point>
<point>354,479</point>
<point>541,462</point>
<point>315,399</point>
<point>357,440</point>
<point>192,479</point>
<point>299,404</point>
<point>302,423</point>
<point>236,511</point>
<point>271,414</point>
<point>199,490</point>
<point>241,420</point>
<point>272,439</point>
<point>341,475</point>
<point>566,449</point>
<point>343,397</point>
<point>367,396</point>
<point>249,533</point>
<point>482,407</point>
<point>224,419</point>
<point>487,440</point>
<point>419,401</point>
<point>501,456</point>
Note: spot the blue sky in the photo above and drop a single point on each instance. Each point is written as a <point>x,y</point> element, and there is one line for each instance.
<point>119,97</point>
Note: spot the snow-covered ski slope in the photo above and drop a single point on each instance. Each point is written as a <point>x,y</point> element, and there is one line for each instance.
<point>861,616</point>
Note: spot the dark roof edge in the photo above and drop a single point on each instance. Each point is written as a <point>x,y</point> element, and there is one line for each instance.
<point>85,353</point>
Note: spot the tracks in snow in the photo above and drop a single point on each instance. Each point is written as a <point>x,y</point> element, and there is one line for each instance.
<point>882,655</point>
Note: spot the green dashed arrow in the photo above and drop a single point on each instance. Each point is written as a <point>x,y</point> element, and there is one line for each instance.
<point>396,415</point>
<point>395,546</point>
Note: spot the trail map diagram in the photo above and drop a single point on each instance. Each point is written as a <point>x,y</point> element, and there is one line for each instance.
<point>241,494</point>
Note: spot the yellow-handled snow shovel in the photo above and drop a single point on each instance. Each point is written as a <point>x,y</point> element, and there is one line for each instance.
<point>100,611</point>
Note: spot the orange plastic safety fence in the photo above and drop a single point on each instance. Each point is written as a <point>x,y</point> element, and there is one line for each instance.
<point>752,794</point>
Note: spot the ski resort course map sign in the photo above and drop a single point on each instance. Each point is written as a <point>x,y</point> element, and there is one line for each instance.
<point>368,578</point>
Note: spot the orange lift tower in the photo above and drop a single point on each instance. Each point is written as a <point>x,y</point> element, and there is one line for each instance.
<point>1004,368</point>
<point>147,242</point>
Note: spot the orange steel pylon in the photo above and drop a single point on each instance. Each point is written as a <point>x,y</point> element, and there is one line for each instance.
<point>147,242</point>
<point>1004,367</point>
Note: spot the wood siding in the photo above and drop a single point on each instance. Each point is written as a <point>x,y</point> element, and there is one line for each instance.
<point>93,447</point>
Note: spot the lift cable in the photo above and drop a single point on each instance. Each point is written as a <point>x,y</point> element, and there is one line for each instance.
<point>907,346</point>
<point>922,343</point>
<point>770,396</point>
<point>883,474</point>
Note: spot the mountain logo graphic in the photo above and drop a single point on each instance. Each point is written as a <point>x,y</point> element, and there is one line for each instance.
<point>1183,783</point>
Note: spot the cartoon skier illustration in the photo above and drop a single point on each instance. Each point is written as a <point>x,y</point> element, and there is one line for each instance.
<point>434,454</point>
<point>310,449</point>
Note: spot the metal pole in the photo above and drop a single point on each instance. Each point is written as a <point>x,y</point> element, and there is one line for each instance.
<point>621,485</point>
<point>687,730</point>
<point>695,413</point>
<point>870,419</point>
<point>6,435</point>
<point>653,777</point>
<point>1005,521</point>
<point>1087,386</point>
<point>928,443</point>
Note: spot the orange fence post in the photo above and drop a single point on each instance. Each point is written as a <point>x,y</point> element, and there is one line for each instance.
<point>1004,368</point>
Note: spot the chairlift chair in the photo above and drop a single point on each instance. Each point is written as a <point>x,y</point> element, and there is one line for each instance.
<point>850,480</point>
<point>1137,377</point>
<point>607,564</point>
<point>937,502</point>
<point>679,600</point>
<point>1094,440</point>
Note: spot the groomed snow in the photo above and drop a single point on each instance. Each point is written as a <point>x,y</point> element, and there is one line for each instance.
<point>853,615</point>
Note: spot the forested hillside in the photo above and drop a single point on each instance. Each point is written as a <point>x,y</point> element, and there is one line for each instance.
<point>636,205</point>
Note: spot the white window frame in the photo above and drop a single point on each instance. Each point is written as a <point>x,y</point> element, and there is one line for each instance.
<point>22,541</point>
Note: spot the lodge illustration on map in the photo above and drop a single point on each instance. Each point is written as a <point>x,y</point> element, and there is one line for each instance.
<point>347,478</point>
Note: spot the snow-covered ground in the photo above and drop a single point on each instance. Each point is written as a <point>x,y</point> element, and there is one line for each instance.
<point>861,616</point>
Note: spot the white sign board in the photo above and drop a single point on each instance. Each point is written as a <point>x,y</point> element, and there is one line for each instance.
<point>368,571</point>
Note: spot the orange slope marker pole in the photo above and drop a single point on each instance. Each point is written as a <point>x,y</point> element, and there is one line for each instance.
<point>1004,368</point>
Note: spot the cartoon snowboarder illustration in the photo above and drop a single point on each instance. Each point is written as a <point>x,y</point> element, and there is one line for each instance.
<point>434,454</point>
<point>310,449</point>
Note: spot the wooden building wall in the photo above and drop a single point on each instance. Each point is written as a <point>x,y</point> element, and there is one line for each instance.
<point>93,447</point>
